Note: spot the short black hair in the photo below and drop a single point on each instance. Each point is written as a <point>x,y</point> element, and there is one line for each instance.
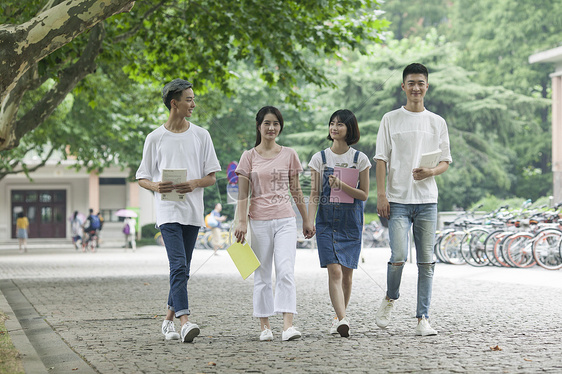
<point>173,90</point>
<point>415,68</point>
<point>347,117</point>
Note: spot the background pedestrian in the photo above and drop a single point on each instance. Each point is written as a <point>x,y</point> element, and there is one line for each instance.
<point>22,226</point>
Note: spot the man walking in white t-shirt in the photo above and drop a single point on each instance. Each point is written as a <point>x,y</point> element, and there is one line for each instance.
<point>179,144</point>
<point>410,195</point>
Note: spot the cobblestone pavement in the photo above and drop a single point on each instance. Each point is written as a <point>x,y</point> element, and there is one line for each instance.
<point>102,312</point>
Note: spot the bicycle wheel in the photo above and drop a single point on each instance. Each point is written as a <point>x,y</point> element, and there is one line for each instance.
<point>450,247</point>
<point>158,238</point>
<point>490,243</point>
<point>200,243</point>
<point>437,246</point>
<point>517,249</point>
<point>368,239</point>
<point>546,249</point>
<point>226,240</point>
<point>498,252</point>
<point>473,249</point>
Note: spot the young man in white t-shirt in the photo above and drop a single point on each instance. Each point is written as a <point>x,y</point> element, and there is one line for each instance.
<point>179,144</point>
<point>410,195</point>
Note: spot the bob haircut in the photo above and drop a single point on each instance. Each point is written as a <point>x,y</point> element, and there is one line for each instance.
<point>348,118</point>
<point>261,115</point>
<point>415,68</point>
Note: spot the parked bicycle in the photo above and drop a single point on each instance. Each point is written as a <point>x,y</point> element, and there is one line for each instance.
<point>519,238</point>
<point>375,235</point>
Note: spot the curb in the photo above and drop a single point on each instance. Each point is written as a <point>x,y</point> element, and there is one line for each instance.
<point>48,351</point>
<point>31,361</point>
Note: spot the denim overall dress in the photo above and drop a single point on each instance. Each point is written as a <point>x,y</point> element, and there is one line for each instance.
<point>338,225</point>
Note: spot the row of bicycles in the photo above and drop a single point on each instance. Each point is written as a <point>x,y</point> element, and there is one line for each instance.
<point>520,238</point>
<point>375,235</point>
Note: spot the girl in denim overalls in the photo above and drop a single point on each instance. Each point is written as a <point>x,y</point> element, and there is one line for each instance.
<point>339,225</point>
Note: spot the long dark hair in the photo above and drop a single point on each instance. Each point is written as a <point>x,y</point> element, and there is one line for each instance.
<point>261,115</point>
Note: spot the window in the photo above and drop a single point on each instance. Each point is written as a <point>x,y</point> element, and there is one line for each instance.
<point>114,181</point>
<point>58,215</point>
<point>45,197</point>
<point>31,214</point>
<point>46,214</point>
<point>110,216</point>
<point>59,196</point>
<point>15,211</point>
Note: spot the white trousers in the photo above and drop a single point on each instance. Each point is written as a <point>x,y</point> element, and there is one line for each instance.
<point>274,241</point>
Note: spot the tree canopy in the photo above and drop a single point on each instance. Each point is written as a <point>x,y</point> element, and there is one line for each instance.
<point>23,46</point>
<point>310,59</point>
<point>157,42</point>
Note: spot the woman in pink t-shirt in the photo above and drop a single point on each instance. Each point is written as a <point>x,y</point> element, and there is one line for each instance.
<point>270,170</point>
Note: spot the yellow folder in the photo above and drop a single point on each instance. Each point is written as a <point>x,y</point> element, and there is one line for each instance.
<point>244,258</point>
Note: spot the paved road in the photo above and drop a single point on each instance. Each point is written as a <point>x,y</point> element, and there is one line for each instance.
<point>101,313</point>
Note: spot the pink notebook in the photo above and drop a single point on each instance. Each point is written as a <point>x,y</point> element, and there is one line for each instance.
<point>348,176</point>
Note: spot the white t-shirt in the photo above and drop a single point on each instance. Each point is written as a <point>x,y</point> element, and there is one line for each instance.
<point>402,138</point>
<point>192,150</point>
<point>344,160</point>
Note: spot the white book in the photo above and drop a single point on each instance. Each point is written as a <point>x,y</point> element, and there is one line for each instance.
<point>175,176</point>
<point>431,159</point>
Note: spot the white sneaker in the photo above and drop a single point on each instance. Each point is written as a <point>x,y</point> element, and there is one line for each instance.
<point>424,328</point>
<point>291,334</point>
<point>189,331</point>
<point>343,328</point>
<point>266,335</point>
<point>334,327</point>
<point>169,330</point>
<point>382,318</point>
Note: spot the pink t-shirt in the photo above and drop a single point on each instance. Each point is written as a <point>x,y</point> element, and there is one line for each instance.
<point>269,182</point>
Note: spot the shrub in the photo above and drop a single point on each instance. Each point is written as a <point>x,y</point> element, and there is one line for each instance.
<point>148,231</point>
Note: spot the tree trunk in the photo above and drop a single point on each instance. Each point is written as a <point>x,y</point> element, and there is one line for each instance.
<point>22,46</point>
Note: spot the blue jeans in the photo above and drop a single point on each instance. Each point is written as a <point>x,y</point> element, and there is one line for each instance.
<point>179,241</point>
<point>423,217</point>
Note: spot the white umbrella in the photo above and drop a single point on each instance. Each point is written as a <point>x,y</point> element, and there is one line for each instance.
<point>125,213</point>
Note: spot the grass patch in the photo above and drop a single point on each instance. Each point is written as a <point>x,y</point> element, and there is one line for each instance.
<point>369,217</point>
<point>10,359</point>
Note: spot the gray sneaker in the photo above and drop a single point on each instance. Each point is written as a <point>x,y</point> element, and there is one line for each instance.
<point>169,330</point>
<point>382,318</point>
<point>188,332</point>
